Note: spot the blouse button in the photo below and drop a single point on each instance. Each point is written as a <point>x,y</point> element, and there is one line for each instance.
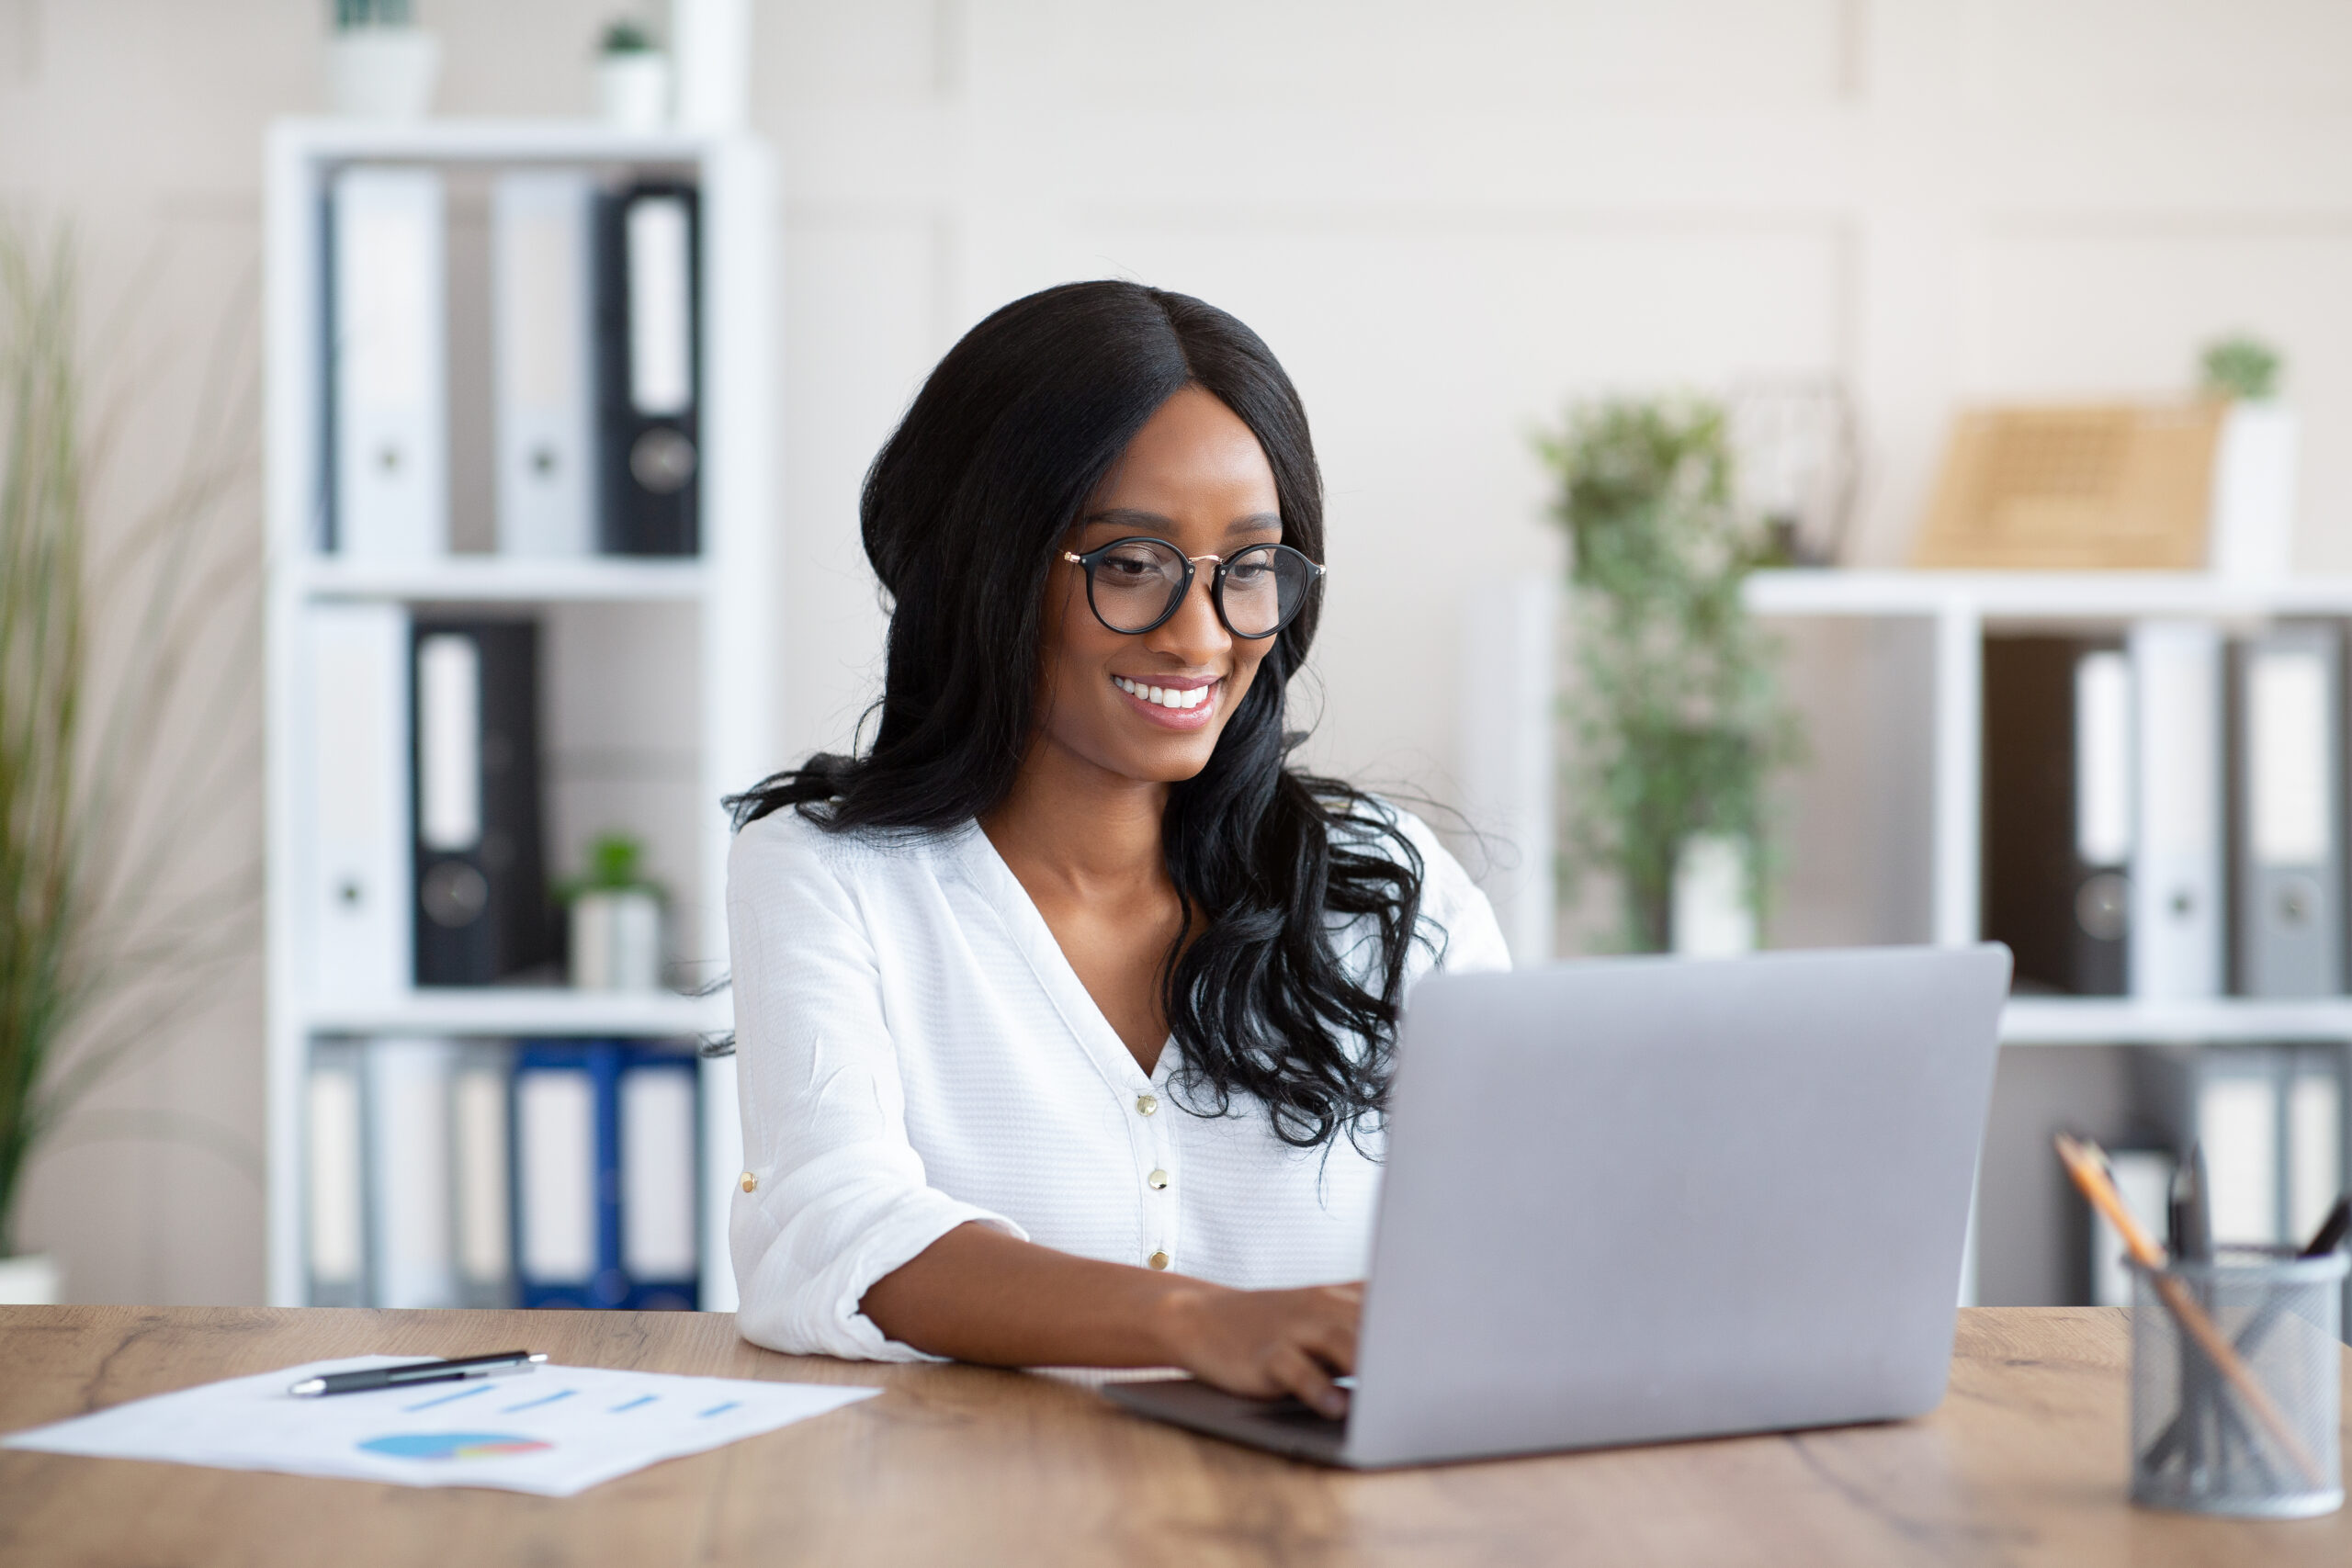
<point>751,1182</point>
<point>1158,1260</point>
<point>1158,1179</point>
<point>1146,1104</point>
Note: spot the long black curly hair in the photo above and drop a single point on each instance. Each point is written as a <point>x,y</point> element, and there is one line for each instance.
<point>963,513</point>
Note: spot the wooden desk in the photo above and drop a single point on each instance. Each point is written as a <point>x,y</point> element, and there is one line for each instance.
<point>2023,1464</point>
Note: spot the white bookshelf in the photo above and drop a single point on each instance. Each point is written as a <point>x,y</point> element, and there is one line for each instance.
<point>719,603</point>
<point>1961,606</point>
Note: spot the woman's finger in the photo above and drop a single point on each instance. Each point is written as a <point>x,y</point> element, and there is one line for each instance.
<point>1299,1372</point>
<point>1327,1327</point>
<point>1331,1339</point>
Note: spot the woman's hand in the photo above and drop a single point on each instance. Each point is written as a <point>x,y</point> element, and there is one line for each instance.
<point>978,1294</point>
<point>1265,1344</point>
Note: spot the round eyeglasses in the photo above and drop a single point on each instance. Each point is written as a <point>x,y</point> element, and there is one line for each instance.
<point>1134,585</point>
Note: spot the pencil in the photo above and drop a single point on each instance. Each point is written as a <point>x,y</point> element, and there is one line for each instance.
<point>2086,1162</point>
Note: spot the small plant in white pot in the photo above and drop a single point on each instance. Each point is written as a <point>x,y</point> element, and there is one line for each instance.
<point>380,64</point>
<point>2252,524</point>
<point>615,919</point>
<point>632,79</point>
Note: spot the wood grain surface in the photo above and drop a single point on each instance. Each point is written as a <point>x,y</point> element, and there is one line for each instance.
<point>2023,1463</point>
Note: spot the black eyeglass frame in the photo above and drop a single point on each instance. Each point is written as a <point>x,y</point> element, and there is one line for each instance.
<point>1088,562</point>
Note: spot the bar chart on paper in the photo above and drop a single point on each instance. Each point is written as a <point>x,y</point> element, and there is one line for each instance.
<point>555,1432</point>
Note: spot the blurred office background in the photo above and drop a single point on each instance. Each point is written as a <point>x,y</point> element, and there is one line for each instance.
<point>1449,222</point>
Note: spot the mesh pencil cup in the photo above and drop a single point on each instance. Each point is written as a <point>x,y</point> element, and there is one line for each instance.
<point>2240,1419</point>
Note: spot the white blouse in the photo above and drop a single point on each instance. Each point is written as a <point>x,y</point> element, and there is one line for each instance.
<point>915,1054</point>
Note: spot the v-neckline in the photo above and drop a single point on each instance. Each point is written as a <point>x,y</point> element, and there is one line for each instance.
<point>1025,924</point>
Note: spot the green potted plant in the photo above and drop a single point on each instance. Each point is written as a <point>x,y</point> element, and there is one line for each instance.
<point>2252,528</point>
<point>615,919</point>
<point>1672,716</point>
<point>107,926</point>
<point>380,64</point>
<point>632,78</point>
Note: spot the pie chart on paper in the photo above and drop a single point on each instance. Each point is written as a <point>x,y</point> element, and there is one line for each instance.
<point>453,1445</point>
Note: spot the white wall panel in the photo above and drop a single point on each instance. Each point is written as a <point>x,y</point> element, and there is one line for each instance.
<point>1686,53</point>
<point>2173,57</point>
<point>824,51</point>
<point>863,326</point>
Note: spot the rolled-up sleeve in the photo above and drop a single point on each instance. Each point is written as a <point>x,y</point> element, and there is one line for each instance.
<point>837,1195</point>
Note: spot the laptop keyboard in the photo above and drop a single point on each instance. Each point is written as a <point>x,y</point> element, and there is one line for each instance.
<point>1298,1416</point>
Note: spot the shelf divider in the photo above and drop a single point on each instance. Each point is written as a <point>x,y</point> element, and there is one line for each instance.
<point>526,1010</point>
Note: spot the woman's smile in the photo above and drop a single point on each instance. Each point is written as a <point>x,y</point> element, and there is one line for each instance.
<point>1174,702</point>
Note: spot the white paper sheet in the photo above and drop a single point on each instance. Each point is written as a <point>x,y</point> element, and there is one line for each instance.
<point>555,1431</point>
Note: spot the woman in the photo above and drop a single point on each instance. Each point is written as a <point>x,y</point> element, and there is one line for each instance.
<point>1064,1013</point>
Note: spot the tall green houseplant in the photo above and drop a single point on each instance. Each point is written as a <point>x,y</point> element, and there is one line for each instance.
<point>112,922</point>
<point>1673,717</point>
<point>42,658</point>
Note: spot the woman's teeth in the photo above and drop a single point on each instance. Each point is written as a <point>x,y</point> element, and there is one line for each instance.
<point>1179,697</point>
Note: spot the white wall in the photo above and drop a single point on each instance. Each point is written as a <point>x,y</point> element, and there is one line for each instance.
<point>1447,219</point>
<point>1449,222</point>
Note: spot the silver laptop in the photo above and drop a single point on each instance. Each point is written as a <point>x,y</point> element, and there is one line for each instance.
<point>1635,1200</point>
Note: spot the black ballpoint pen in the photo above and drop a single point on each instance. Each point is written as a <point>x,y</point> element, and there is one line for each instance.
<point>2331,1232</point>
<point>2191,1227</point>
<point>2200,1235</point>
<point>408,1373</point>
